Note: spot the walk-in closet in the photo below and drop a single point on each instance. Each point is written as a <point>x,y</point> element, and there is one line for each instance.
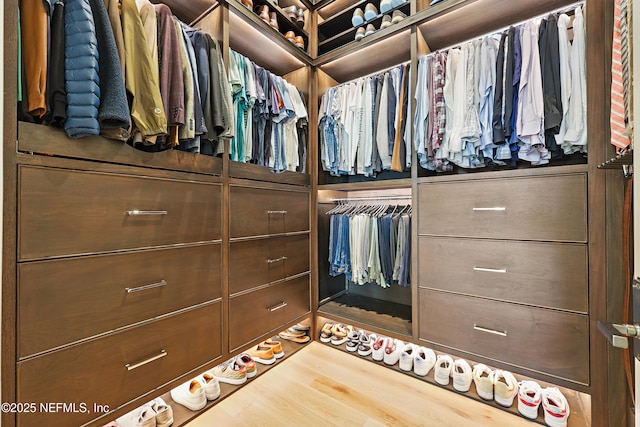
<point>217,184</point>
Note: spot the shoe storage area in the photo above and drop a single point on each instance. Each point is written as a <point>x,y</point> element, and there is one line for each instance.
<point>155,273</point>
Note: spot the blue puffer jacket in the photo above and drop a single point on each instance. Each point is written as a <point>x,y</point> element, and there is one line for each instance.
<point>81,70</point>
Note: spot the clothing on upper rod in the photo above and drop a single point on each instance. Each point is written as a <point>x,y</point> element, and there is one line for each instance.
<point>173,94</point>
<point>515,96</point>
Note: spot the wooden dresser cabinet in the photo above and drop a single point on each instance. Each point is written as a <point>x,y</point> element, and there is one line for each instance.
<point>503,268</point>
<point>269,268</point>
<point>114,271</point>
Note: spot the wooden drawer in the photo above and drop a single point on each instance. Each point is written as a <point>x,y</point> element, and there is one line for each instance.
<point>120,367</point>
<point>261,261</point>
<point>255,313</point>
<point>550,208</point>
<point>68,212</point>
<point>544,274</point>
<point>257,211</point>
<point>62,301</point>
<point>537,339</point>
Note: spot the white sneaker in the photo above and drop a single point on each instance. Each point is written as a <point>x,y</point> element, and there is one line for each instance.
<point>423,361</point>
<point>378,347</point>
<point>365,347</point>
<point>483,379</point>
<point>505,387</point>
<point>392,351</point>
<point>462,375</point>
<point>353,340</point>
<point>406,357</point>
<point>164,412</point>
<point>144,416</point>
<point>529,398</point>
<point>442,370</point>
<point>190,394</point>
<point>211,385</point>
<point>555,407</point>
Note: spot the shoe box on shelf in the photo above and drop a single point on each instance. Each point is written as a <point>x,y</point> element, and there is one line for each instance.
<point>357,20</point>
<point>288,19</point>
<point>540,402</point>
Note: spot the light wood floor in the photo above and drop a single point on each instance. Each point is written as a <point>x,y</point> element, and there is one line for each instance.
<point>321,386</point>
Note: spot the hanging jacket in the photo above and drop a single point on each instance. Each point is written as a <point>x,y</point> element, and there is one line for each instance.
<point>113,115</point>
<point>81,70</point>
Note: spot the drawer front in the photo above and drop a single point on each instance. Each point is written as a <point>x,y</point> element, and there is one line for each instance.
<point>62,301</point>
<point>117,369</point>
<point>260,211</point>
<point>257,262</point>
<point>65,212</point>
<point>550,208</point>
<point>547,341</point>
<point>544,274</point>
<point>255,313</point>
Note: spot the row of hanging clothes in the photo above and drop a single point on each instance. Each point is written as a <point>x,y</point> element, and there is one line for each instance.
<point>516,95</point>
<point>363,124</point>
<point>370,242</point>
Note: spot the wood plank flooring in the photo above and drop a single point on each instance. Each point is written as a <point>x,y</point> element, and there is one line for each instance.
<point>322,386</point>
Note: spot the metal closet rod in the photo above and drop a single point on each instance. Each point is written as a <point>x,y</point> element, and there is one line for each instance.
<point>375,73</point>
<point>361,199</point>
<point>562,9</point>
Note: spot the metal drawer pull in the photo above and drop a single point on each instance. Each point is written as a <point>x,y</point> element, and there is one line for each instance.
<point>490,270</point>
<point>490,331</point>
<point>130,367</point>
<point>271,261</point>
<point>283,304</point>
<point>489,209</point>
<point>276,212</point>
<point>145,287</point>
<point>136,212</point>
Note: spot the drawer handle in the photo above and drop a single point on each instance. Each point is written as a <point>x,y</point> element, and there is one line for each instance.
<point>277,212</point>
<point>271,261</point>
<point>502,209</point>
<point>136,212</point>
<point>283,304</point>
<point>490,270</point>
<point>131,367</point>
<point>490,331</point>
<point>146,287</point>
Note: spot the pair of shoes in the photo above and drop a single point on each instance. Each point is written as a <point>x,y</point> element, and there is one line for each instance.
<point>424,359</point>
<point>386,22</point>
<point>365,343</point>
<point>263,13</point>
<point>298,333</point>
<point>195,393</point>
<point>362,32</point>
<point>339,333</point>
<point>459,370</point>
<point>387,5</point>
<point>297,40</point>
<point>397,16</point>
<point>505,387</point>
<point>442,369</point>
<point>232,371</point>
<point>359,16</point>
<point>152,414</point>
<point>353,340</point>
<point>263,354</point>
<point>296,14</point>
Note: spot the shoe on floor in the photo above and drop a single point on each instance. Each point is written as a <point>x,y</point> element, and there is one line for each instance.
<point>365,346</point>
<point>555,407</point>
<point>406,357</point>
<point>230,372</point>
<point>377,351</point>
<point>144,416</point>
<point>325,332</point>
<point>424,360</point>
<point>243,359</point>
<point>353,340</point>
<point>442,369</point>
<point>211,385</point>
<point>529,398</point>
<point>358,17</point>
<point>164,412</point>
<point>262,354</point>
<point>462,375</point>
<point>190,395</point>
<point>483,379</point>
<point>370,12</point>
<point>276,347</point>
<point>392,351</point>
<point>505,387</point>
